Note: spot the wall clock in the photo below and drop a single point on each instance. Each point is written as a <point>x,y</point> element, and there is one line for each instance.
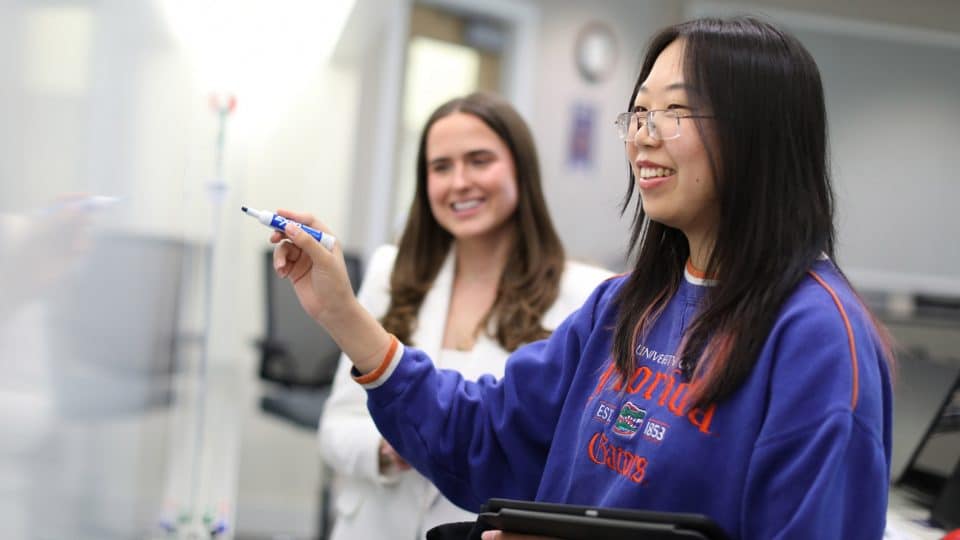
<point>595,52</point>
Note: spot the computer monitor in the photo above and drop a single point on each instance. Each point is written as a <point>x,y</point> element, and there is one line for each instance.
<point>926,430</point>
<point>114,323</point>
<point>922,392</point>
<point>946,511</point>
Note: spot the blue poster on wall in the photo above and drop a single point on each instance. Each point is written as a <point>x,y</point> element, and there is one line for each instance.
<point>580,149</point>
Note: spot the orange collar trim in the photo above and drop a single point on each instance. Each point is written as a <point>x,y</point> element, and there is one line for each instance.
<point>699,274</point>
<point>698,277</point>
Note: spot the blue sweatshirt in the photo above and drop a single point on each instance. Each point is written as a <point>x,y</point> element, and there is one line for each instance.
<point>800,450</point>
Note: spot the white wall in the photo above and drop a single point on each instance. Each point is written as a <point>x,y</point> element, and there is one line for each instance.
<point>575,197</point>
<point>374,44</point>
<point>896,192</point>
<point>897,186</point>
<point>894,111</point>
<point>585,203</point>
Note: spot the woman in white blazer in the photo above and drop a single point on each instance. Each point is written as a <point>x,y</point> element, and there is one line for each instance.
<point>479,271</point>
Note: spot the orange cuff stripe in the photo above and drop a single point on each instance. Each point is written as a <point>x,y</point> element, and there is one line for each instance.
<point>853,347</point>
<point>375,374</point>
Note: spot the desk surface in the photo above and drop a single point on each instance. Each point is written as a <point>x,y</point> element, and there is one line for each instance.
<point>907,520</point>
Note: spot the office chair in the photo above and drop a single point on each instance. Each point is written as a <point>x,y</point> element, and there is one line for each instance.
<point>297,354</point>
<point>300,359</point>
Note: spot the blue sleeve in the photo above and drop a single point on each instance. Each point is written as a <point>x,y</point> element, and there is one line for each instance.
<point>489,438</point>
<point>820,466</point>
<point>828,482</point>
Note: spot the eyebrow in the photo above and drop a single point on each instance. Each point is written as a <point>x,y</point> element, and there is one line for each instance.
<point>670,87</point>
<point>469,155</point>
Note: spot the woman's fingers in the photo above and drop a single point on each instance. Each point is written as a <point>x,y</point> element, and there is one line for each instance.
<point>318,274</point>
<point>310,245</point>
<point>303,218</point>
<point>300,267</point>
<point>311,252</point>
<point>500,535</point>
<point>285,255</point>
<point>321,226</point>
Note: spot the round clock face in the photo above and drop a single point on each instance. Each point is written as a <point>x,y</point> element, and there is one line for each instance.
<point>596,52</point>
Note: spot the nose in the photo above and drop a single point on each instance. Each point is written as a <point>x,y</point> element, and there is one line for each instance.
<point>643,137</point>
<point>459,178</point>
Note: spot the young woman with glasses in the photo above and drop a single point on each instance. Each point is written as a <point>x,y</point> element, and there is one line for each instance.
<point>734,372</point>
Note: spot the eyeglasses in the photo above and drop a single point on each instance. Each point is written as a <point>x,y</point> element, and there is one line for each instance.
<point>662,124</point>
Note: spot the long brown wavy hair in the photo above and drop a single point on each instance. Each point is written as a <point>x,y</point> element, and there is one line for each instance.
<point>531,279</point>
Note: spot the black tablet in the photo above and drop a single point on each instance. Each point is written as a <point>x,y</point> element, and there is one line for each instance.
<point>572,522</point>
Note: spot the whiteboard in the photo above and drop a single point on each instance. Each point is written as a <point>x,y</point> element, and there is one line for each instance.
<point>894,115</point>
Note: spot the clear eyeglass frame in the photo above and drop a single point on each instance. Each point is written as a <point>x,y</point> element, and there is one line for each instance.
<point>661,124</point>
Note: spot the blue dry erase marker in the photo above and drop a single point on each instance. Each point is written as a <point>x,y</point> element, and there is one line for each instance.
<point>279,222</point>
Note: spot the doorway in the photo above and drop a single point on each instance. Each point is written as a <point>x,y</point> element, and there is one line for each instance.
<point>449,54</point>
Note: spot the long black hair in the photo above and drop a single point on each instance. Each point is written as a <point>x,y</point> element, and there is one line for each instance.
<point>768,152</point>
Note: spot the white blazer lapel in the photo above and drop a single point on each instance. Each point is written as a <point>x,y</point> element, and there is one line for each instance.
<point>432,318</point>
<point>431,322</point>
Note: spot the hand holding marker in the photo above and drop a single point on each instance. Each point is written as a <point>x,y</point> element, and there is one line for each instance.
<point>278,222</point>
<point>314,265</point>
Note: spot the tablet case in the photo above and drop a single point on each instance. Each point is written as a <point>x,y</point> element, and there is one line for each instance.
<point>572,522</point>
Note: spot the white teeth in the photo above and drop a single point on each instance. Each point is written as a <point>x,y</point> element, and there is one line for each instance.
<point>655,172</point>
<point>466,205</point>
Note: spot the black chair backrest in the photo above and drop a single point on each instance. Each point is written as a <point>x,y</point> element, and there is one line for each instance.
<point>296,351</point>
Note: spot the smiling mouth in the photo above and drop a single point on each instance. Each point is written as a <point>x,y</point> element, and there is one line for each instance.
<point>461,206</point>
<point>656,172</point>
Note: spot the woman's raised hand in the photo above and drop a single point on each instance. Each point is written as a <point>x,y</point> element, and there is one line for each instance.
<point>320,280</point>
<point>319,276</point>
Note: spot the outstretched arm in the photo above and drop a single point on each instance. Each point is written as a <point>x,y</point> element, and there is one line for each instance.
<point>349,441</point>
<point>489,438</point>
<point>474,440</point>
